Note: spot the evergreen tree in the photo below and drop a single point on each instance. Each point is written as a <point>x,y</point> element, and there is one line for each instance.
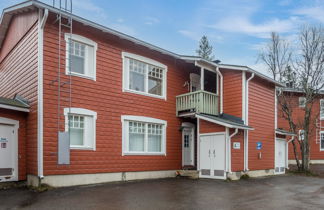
<point>205,50</point>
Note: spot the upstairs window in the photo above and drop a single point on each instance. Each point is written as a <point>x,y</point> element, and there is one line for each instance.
<point>144,76</point>
<point>81,56</point>
<point>302,102</point>
<point>322,109</point>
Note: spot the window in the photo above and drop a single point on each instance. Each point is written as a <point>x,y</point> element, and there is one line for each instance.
<point>301,135</point>
<point>81,59</point>
<point>143,135</point>
<point>322,109</point>
<point>322,141</point>
<point>302,102</point>
<point>81,125</point>
<point>143,76</point>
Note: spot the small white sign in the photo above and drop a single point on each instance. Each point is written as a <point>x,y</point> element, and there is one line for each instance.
<point>2,139</point>
<point>236,145</point>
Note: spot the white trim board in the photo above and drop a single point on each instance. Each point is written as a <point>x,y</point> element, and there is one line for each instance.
<point>20,109</point>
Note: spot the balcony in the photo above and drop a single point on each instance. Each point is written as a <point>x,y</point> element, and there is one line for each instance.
<point>197,102</point>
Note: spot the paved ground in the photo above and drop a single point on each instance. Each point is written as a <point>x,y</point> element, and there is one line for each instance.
<point>277,192</point>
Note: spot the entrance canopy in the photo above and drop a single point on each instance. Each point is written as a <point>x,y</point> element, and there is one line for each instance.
<point>17,103</point>
<point>225,120</point>
<point>284,132</point>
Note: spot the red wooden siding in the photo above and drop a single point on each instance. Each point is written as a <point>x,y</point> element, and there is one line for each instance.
<point>19,75</point>
<point>208,127</point>
<point>237,154</point>
<point>21,117</point>
<point>105,96</point>
<point>19,26</point>
<point>232,92</point>
<point>262,119</point>
<point>298,115</point>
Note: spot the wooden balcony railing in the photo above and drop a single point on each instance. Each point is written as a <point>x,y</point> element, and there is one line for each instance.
<point>197,102</point>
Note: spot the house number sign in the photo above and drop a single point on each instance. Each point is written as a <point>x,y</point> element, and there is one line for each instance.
<point>236,145</point>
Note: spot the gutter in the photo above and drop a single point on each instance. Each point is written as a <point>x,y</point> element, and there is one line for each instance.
<point>287,144</point>
<point>40,115</point>
<point>230,150</point>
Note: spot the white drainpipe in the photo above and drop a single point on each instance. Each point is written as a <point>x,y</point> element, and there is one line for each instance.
<point>40,117</point>
<point>230,150</point>
<point>287,144</point>
<point>247,122</point>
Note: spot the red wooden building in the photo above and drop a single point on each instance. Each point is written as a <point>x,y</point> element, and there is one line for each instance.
<point>96,105</point>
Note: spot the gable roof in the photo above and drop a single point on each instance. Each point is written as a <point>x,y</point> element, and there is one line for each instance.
<point>33,4</point>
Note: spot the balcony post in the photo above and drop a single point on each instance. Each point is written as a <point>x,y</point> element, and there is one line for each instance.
<point>202,75</point>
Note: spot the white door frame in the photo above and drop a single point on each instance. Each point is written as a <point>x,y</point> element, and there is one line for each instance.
<point>286,155</point>
<point>225,153</point>
<point>15,124</point>
<point>192,146</point>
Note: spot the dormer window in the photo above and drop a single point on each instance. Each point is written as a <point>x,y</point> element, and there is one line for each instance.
<point>81,56</point>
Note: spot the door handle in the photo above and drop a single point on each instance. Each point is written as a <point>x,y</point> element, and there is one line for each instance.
<point>214,153</point>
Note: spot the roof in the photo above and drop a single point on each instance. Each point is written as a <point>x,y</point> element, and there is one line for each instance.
<point>14,104</point>
<point>296,90</point>
<point>284,132</point>
<point>32,4</point>
<point>248,69</point>
<point>225,120</point>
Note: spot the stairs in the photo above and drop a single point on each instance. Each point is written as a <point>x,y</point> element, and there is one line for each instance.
<point>192,174</point>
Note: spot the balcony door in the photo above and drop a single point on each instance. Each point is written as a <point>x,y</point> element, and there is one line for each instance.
<point>194,82</point>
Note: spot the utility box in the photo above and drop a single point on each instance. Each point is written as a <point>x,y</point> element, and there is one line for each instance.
<point>63,148</point>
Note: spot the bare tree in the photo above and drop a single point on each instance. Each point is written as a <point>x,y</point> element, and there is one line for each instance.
<point>306,74</point>
<point>276,55</point>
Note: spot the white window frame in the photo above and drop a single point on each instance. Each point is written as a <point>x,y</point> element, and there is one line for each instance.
<point>125,134</point>
<point>299,136</point>
<point>86,113</point>
<point>148,61</point>
<point>321,113</point>
<point>321,133</point>
<point>85,41</point>
<point>299,99</point>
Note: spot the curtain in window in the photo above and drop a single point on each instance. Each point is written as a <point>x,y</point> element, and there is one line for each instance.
<point>154,138</point>
<point>136,136</point>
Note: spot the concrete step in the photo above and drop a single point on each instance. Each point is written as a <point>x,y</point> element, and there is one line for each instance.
<point>193,174</point>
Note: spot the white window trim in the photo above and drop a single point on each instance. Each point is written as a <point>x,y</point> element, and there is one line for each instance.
<point>86,41</point>
<point>321,132</point>
<point>148,61</point>
<point>321,114</point>
<point>144,120</point>
<point>299,102</point>
<point>299,136</point>
<point>84,112</point>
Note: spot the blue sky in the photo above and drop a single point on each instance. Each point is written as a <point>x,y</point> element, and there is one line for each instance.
<point>237,29</point>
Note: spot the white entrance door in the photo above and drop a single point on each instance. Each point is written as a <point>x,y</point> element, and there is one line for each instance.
<point>280,158</point>
<point>8,154</point>
<point>212,156</point>
<point>188,146</point>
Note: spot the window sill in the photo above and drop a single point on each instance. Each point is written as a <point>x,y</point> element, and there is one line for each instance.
<point>144,94</point>
<point>81,75</point>
<point>145,153</point>
<point>82,148</point>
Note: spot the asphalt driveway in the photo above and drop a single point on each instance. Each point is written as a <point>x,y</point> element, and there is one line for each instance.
<point>277,192</point>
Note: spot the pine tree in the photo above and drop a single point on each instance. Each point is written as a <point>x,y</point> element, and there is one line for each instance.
<point>205,50</point>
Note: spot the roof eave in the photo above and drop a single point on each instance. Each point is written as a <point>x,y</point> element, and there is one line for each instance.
<point>224,123</point>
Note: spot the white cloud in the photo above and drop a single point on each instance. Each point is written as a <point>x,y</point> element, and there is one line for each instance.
<point>285,2</point>
<point>316,12</point>
<point>261,30</point>
<point>151,20</point>
<point>120,20</point>
<point>196,35</point>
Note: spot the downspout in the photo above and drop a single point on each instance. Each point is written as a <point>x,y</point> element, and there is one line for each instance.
<point>40,118</point>
<point>221,88</point>
<point>247,121</point>
<point>230,150</point>
<point>287,144</point>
